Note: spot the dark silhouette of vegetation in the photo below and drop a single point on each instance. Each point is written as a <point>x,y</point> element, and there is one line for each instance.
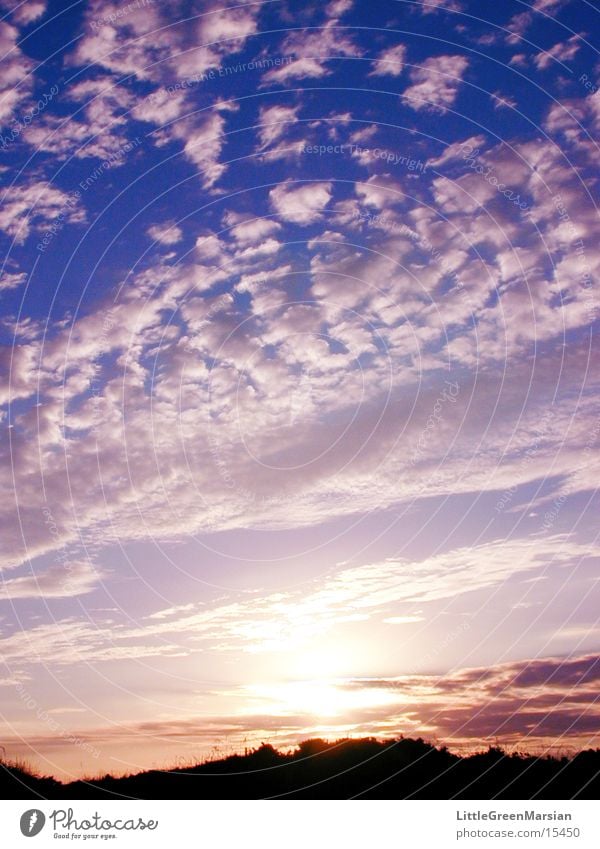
<point>316,769</point>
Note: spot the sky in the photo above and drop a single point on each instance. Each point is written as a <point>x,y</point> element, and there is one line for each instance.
<point>298,376</point>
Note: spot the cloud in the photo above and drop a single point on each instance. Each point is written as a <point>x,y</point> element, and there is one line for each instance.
<point>12,279</point>
<point>248,230</point>
<point>300,204</point>
<point>65,580</point>
<point>381,193</point>
<point>573,119</point>
<point>564,51</point>
<point>436,83</point>
<point>517,27</point>
<point>519,60</point>
<point>124,41</point>
<point>526,703</point>
<point>35,205</point>
<point>428,7</point>
<point>72,642</point>
<point>548,5</point>
<point>100,133</point>
<point>148,42</point>
<point>212,352</point>
<point>233,26</point>
<point>496,704</point>
<point>274,122</point>
<point>262,382</point>
<point>503,101</point>
<point>390,62</point>
<point>281,135</point>
<point>381,299</point>
<point>201,134</point>
<point>160,107</point>
<point>17,74</point>
<point>203,139</point>
<point>455,152</point>
<point>312,52</point>
<point>385,592</point>
<point>337,8</point>
<point>168,233</point>
<point>286,621</point>
<point>27,13</point>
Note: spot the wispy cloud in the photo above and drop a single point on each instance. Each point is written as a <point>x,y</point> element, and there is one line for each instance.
<point>59,581</point>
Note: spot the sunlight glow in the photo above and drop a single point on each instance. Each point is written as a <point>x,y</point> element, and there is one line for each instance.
<point>320,698</point>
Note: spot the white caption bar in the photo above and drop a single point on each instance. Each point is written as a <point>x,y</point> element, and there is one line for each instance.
<point>298,824</point>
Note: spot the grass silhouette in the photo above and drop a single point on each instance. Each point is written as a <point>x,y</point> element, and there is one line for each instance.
<point>350,768</point>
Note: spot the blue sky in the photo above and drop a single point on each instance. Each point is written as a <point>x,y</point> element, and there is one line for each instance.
<point>298,353</point>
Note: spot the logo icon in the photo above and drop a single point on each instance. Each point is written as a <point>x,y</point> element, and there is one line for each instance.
<point>32,822</point>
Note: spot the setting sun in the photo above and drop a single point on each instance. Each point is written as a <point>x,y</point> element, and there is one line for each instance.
<point>320,698</point>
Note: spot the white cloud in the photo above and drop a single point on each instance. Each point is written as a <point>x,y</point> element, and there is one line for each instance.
<point>12,279</point>
<point>148,42</point>
<point>428,7</point>
<point>160,107</point>
<point>176,429</point>
<point>101,131</point>
<point>202,140</point>
<point>548,5</point>
<point>519,60</point>
<point>380,192</point>
<point>231,26</point>
<point>503,101</point>
<point>455,152</point>
<point>124,41</point>
<point>168,233</point>
<point>184,362</point>
<point>28,12</point>
<point>65,580</point>
<point>247,230</point>
<point>337,8</point>
<point>436,82</point>
<point>35,205</point>
<point>390,62</point>
<point>573,119</point>
<point>517,27</point>
<point>300,203</point>
<point>17,74</point>
<point>286,621</point>
<point>312,51</point>
<point>274,122</point>
<point>282,621</point>
<point>562,52</point>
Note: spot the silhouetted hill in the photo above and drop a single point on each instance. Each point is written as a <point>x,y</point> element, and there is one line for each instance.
<point>365,768</point>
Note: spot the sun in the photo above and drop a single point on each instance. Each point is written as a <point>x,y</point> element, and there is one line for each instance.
<point>321,698</point>
<point>318,681</point>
